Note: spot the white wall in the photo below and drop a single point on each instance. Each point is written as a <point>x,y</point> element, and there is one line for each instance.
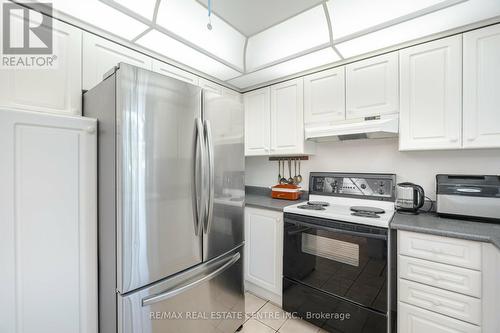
<point>381,156</point>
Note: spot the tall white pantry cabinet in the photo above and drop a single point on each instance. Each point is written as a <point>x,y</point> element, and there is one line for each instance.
<point>48,224</point>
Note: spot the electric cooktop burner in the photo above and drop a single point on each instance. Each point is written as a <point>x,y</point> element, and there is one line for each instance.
<point>311,207</point>
<point>367,209</point>
<point>318,203</point>
<point>366,214</point>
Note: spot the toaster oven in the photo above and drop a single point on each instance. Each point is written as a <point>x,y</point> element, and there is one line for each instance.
<point>469,196</point>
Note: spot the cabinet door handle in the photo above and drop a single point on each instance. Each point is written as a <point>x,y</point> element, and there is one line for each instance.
<point>90,129</point>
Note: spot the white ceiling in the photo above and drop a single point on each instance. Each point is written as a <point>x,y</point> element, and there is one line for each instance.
<point>256,41</point>
<point>253,16</point>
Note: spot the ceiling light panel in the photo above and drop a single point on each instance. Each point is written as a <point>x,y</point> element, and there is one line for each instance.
<point>188,19</point>
<point>300,64</point>
<point>303,32</point>
<point>101,16</point>
<point>144,8</point>
<point>175,50</point>
<point>352,16</point>
<point>453,17</point>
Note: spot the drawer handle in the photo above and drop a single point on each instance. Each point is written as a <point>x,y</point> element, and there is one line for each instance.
<point>436,277</point>
<point>438,251</point>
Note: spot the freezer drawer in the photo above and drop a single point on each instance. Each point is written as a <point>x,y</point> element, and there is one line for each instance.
<point>206,298</point>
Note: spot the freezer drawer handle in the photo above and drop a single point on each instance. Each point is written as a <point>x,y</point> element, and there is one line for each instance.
<point>169,293</point>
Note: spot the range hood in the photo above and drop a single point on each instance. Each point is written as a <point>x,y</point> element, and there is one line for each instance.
<point>384,126</point>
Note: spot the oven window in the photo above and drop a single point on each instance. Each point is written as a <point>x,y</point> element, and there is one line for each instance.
<point>333,249</point>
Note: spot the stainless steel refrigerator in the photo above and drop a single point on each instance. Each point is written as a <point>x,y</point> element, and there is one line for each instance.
<point>171,197</point>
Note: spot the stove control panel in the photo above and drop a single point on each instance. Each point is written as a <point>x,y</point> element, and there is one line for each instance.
<point>367,186</point>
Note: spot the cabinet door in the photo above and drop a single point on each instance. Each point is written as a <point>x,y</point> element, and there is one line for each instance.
<point>48,229</point>
<point>172,71</point>
<point>481,82</point>
<point>56,89</point>
<point>452,278</point>
<point>287,117</point>
<point>257,122</point>
<point>412,319</point>
<point>264,248</point>
<point>101,55</point>
<point>372,87</point>
<point>431,95</point>
<point>210,86</point>
<point>324,97</point>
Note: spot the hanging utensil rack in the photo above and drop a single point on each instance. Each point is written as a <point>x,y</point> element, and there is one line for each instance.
<point>286,158</point>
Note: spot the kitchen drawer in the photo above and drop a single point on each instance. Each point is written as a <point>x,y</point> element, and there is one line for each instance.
<point>457,279</point>
<point>452,251</point>
<point>415,320</point>
<point>455,305</point>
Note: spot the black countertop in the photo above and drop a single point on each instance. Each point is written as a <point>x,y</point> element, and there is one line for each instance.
<point>431,223</point>
<point>260,197</point>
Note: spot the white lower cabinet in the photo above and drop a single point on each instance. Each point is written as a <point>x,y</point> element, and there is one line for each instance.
<point>481,82</point>
<point>57,89</point>
<point>435,296</point>
<point>412,319</point>
<point>264,253</point>
<point>48,227</point>
<point>441,301</point>
<point>431,95</point>
<point>101,55</point>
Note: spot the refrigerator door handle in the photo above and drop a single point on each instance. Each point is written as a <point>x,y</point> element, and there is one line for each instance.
<point>203,277</point>
<point>198,205</point>
<point>211,176</point>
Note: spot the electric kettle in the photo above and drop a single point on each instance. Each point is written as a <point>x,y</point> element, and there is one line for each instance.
<point>409,197</point>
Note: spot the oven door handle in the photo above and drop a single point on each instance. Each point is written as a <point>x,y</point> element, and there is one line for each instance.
<point>298,231</point>
<point>307,226</point>
<point>360,234</point>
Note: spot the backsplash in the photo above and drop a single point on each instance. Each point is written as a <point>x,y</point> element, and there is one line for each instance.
<point>380,156</point>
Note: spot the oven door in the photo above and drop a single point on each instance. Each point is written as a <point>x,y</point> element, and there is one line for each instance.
<point>341,259</point>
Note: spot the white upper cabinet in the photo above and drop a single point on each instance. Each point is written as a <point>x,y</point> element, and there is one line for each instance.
<point>431,95</point>
<point>175,72</point>
<point>287,118</point>
<point>324,97</point>
<point>210,86</point>
<point>372,87</point>
<point>481,83</point>
<point>57,89</point>
<point>101,55</point>
<point>257,122</point>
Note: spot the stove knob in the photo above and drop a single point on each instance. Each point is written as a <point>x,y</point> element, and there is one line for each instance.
<point>381,191</point>
<point>363,186</point>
